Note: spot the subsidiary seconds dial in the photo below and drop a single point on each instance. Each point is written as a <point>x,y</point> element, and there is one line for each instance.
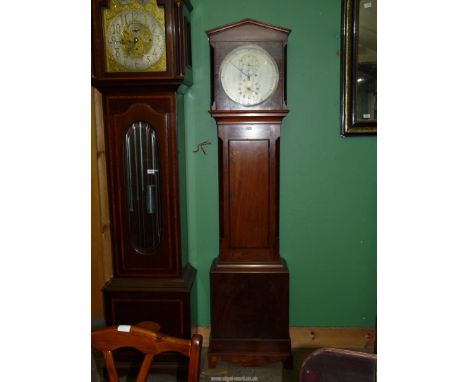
<point>249,75</point>
<point>135,40</point>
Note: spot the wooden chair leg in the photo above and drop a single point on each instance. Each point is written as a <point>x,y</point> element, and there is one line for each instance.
<point>145,368</point>
<point>110,366</point>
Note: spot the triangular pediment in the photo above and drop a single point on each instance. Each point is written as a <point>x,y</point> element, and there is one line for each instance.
<point>248,30</point>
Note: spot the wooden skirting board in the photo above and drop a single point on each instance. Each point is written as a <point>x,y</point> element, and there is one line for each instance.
<point>318,337</point>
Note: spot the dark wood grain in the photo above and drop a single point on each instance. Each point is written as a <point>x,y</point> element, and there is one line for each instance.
<point>158,110</point>
<point>132,300</point>
<point>249,199</point>
<point>249,280</point>
<point>248,206</point>
<point>249,315</point>
<point>251,311</point>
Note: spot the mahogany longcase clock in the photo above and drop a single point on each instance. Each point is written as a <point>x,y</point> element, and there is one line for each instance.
<point>249,279</point>
<point>141,63</point>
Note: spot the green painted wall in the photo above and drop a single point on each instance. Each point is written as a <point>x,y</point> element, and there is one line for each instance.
<point>328,183</point>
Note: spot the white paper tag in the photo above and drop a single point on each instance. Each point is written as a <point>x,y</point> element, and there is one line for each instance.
<point>367,5</point>
<point>124,328</point>
<point>152,171</point>
<point>366,116</point>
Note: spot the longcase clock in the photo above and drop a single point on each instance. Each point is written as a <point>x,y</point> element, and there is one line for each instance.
<point>141,63</point>
<point>249,280</point>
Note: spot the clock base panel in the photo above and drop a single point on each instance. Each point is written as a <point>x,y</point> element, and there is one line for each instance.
<point>249,314</point>
<point>166,301</point>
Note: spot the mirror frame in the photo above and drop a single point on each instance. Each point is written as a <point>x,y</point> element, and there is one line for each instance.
<point>349,39</point>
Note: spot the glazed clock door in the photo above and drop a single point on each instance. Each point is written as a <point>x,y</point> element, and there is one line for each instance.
<point>142,187</point>
<point>141,160</point>
<point>249,75</point>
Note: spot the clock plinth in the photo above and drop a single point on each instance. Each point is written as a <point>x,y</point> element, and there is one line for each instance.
<point>249,280</point>
<point>250,315</point>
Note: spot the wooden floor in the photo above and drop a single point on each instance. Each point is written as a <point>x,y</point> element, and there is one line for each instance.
<point>270,373</point>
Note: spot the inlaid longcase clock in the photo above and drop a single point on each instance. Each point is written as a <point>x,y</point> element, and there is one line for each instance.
<point>249,280</point>
<point>141,63</point>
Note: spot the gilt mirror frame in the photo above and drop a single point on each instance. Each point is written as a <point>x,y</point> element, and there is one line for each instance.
<point>359,68</point>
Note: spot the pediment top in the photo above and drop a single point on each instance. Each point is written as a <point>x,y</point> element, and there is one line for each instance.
<point>246,23</point>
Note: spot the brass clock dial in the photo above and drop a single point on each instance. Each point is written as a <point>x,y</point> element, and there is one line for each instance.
<point>135,36</point>
<point>249,75</point>
<point>135,40</point>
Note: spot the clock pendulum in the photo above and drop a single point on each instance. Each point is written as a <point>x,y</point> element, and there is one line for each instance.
<point>249,280</point>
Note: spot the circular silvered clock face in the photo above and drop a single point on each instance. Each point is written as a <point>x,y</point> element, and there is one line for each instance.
<point>135,39</point>
<point>249,75</point>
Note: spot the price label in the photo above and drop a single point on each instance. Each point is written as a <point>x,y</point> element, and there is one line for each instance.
<point>124,328</point>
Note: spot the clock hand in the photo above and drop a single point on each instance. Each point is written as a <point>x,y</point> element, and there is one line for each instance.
<point>133,45</point>
<point>240,70</point>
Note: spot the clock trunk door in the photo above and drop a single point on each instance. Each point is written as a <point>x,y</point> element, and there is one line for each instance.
<point>249,192</point>
<point>141,168</point>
